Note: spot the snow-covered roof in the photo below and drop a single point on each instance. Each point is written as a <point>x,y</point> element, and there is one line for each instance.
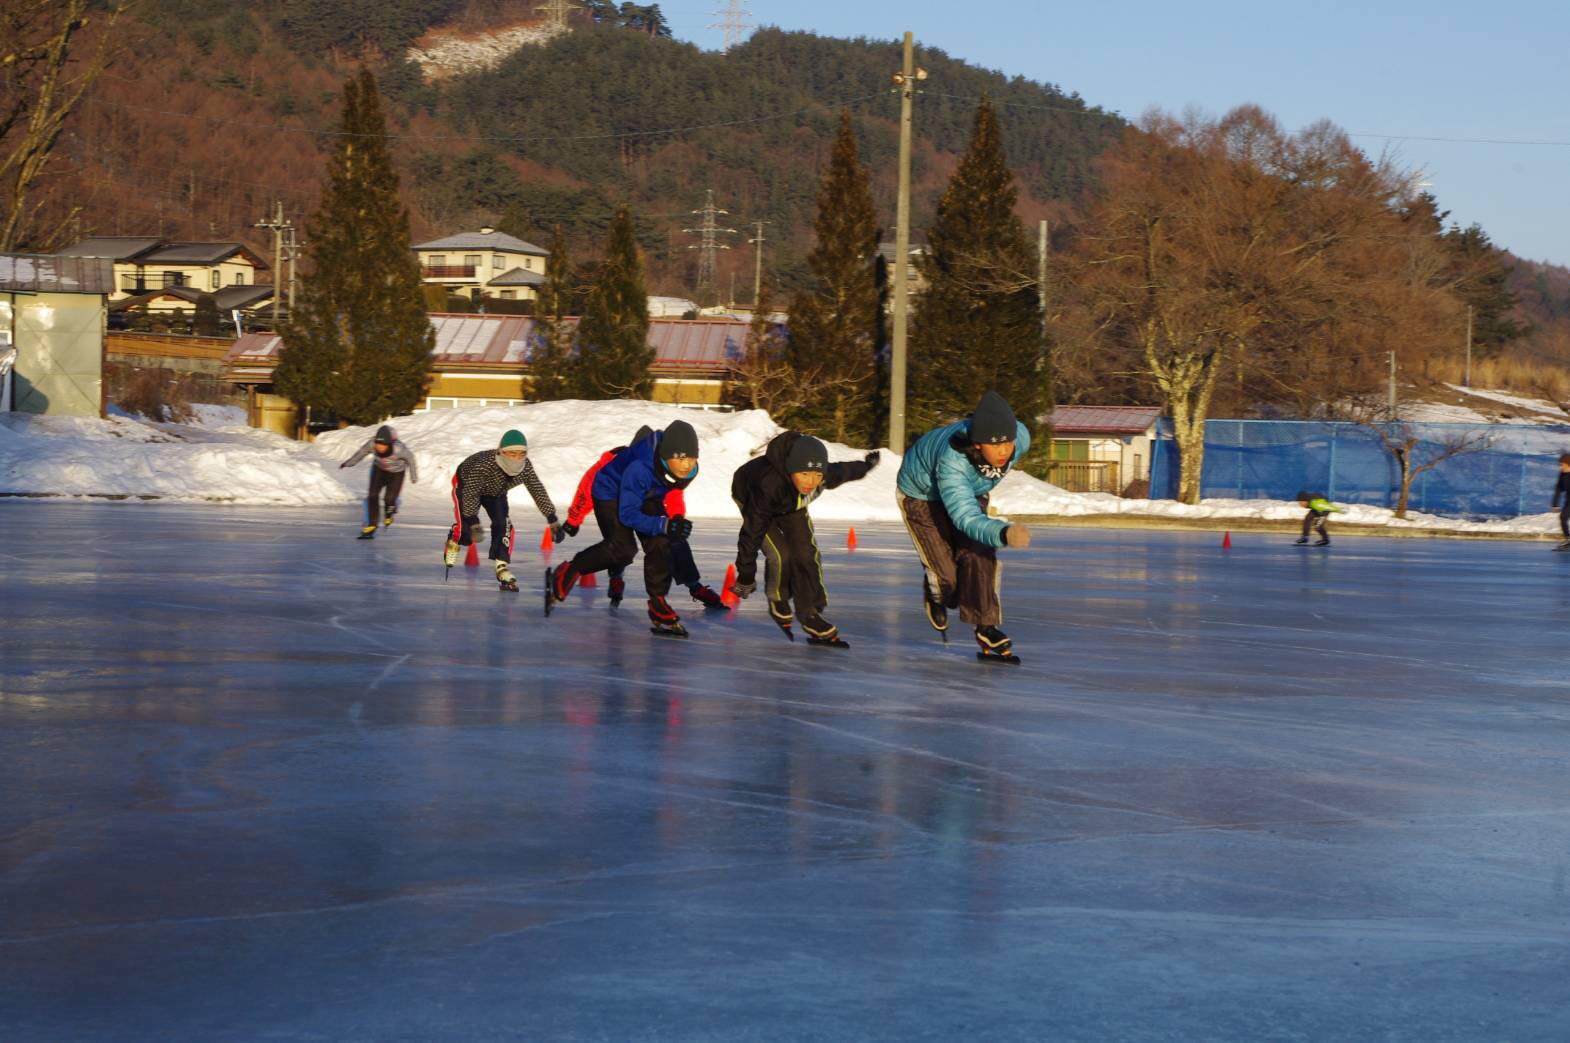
<point>492,240</point>
<point>696,345</point>
<point>1109,420</point>
<point>52,273</point>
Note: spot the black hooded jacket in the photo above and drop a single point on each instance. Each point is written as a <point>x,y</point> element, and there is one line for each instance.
<point>763,490</point>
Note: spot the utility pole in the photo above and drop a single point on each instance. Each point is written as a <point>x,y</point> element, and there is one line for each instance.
<point>1394,415</point>
<point>1467,380</point>
<point>905,82</point>
<point>556,13</point>
<point>1042,245</point>
<point>292,245</point>
<point>734,21</point>
<point>277,225</point>
<point>757,242</point>
<point>709,246</point>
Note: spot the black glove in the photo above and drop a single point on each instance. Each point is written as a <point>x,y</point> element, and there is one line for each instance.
<point>343,465</point>
<point>741,589</point>
<point>559,532</point>
<point>678,528</point>
<point>872,458</point>
<point>569,528</point>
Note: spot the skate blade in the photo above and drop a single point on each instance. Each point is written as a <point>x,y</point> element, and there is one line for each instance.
<point>511,588</point>
<point>676,631</point>
<point>1002,660</point>
<point>366,536</point>
<point>827,642</point>
<point>550,601</point>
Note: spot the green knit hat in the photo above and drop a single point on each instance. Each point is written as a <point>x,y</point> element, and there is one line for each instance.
<point>514,438</point>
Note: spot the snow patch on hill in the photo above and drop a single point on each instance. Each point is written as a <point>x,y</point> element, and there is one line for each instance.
<point>442,53</point>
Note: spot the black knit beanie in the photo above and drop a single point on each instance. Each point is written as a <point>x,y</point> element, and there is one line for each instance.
<point>806,454</point>
<point>385,435</point>
<point>679,440</point>
<point>993,421</point>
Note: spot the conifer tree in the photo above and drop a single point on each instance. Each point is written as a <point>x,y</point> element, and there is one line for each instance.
<point>205,321</point>
<point>551,363</point>
<point>834,322</point>
<point>359,345</point>
<point>977,324</point>
<point>613,339</point>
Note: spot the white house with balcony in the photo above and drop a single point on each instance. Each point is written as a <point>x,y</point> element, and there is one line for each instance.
<point>486,263</point>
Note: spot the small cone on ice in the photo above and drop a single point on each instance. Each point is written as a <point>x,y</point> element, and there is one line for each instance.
<point>588,580</point>
<point>473,560</point>
<point>1226,541</point>
<point>850,540</point>
<point>728,596</point>
<point>546,542</point>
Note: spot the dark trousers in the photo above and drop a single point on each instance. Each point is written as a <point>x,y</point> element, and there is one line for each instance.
<point>1564,518</point>
<point>1309,525</point>
<point>792,566</point>
<point>684,568</point>
<point>385,486</point>
<point>495,507</point>
<point>618,546</point>
<point>964,574</point>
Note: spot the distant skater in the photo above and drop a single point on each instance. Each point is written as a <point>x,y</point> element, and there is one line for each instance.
<point>391,460</point>
<point>1319,512</point>
<point>1562,500</point>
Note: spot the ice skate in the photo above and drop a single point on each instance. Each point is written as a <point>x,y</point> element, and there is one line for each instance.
<point>666,622</point>
<point>779,611</point>
<point>1301,541</point>
<point>388,520</point>
<point>1563,546</point>
<point>995,646</point>
<point>504,576</point>
<point>558,584</point>
<point>937,614</point>
<point>706,596</point>
<point>821,632</point>
<point>367,533</point>
<point>450,553</point>
<point>617,591</point>
<point>1323,541</point>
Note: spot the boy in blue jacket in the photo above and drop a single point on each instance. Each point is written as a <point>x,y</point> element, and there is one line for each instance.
<point>629,507</point>
<point>943,484</point>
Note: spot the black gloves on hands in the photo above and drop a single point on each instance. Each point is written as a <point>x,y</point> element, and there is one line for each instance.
<point>559,532</point>
<point>678,527</point>
<point>569,528</point>
<point>872,458</point>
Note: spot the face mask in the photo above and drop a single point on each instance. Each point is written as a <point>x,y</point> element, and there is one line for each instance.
<point>510,467</point>
<point>988,471</point>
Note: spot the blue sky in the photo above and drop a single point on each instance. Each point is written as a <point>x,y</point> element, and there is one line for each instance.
<point>1393,73</point>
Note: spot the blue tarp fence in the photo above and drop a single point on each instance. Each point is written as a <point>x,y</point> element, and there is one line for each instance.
<point>1274,459</point>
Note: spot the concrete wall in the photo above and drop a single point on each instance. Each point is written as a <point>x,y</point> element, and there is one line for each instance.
<point>59,339</point>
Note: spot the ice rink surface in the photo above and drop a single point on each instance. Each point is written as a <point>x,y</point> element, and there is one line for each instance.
<point>261,781</point>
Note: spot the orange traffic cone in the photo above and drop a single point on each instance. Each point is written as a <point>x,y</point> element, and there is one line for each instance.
<point>546,542</point>
<point>1226,541</point>
<point>850,540</point>
<point>728,596</point>
<point>473,559</point>
<point>588,580</point>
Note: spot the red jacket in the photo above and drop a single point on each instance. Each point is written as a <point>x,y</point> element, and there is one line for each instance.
<point>583,499</point>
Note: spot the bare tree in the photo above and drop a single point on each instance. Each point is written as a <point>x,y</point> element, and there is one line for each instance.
<point>765,377</point>
<point>42,82</point>
<point>1415,456</point>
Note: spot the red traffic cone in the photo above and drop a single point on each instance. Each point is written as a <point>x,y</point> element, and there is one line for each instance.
<point>546,542</point>
<point>588,580</point>
<point>1226,541</point>
<point>473,560</point>
<point>850,540</point>
<point>728,596</point>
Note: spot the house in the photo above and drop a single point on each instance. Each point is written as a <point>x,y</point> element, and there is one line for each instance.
<point>143,265</point>
<point>1102,449</point>
<point>248,300</point>
<point>480,264</point>
<point>915,282</point>
<point>483,360</point>
<point>52,317</point>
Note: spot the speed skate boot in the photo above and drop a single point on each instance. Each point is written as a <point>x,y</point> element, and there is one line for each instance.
<point>617,590</point>
<point>450,553</point>
<point>666,622</point>
<point>821,632</point>
<point>367,533</point>
<point>558,584</point>
<point>388,519</point>
<point>779,611</point>
<point>504,576</point>
<point>706,596</point>
<point>1323,541</point>
<point>995,646</point>
<point>937,615</point>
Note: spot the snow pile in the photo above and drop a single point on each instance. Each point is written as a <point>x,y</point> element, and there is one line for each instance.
<point>214,460</point>
<point>449,53</point>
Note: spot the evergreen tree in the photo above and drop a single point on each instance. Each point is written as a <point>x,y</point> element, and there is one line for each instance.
<point>1481,271</point>
<point>834,323</point>
<point>613,339</point>
<point>977,326</point>
<point>359,346</point>
<point>550,364</point>
<point>204,322</point>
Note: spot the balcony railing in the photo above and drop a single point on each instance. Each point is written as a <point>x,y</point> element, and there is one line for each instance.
<point>150,281</point>
<point>1085,476</point>
<point>449,271</point>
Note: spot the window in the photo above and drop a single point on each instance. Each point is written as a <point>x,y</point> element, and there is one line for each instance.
<point>508,295</point>
<point>496,262</point>
<point>436,260</point>
<point>528,264</point>
<point>239,278</point>
<point>215,279</point>
<point>471,260</point>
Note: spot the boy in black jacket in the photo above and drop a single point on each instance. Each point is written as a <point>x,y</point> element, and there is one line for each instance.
<point>773,492</point>
<point>1562,495</point>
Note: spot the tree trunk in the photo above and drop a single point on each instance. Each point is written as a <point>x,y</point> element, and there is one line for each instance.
<point>1404,459</point>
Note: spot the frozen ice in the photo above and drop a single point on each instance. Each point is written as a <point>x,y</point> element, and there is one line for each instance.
<point>262,781</point>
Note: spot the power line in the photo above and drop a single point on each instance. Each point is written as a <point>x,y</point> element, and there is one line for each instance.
<point>556,13</point>
<point>708,248</point>
<point>735,21</point>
